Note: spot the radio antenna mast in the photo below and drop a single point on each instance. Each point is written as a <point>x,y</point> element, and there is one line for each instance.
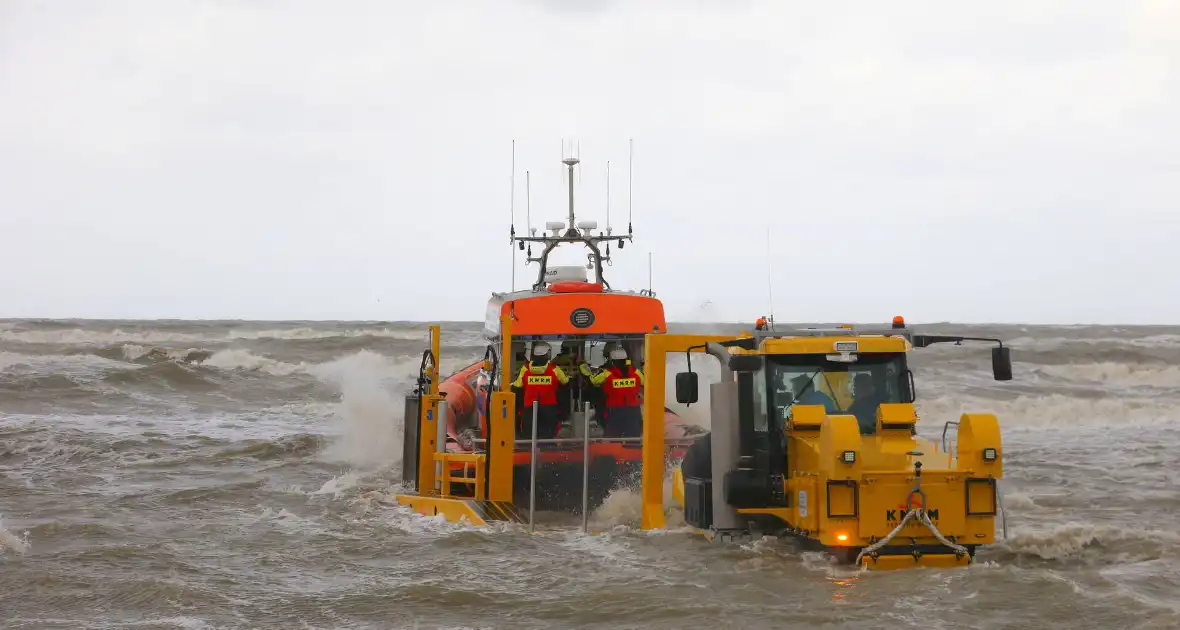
<point>608,196</point>
<point>512,215</point>
<point>630,176</point>
<point>649,273</point>
<point>770,277</point>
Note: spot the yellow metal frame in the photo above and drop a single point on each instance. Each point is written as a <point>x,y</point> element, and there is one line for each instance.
<point>428,423</point>
<point>467,459</point>
<point>457,510</point>
<point>655,350</point>
<point>501,419</point>
<point>492,484</point>
<point>929,561</point>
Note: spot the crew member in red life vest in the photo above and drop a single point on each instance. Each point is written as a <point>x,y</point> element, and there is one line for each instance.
<point>621,382</point>
<point>539,381</point>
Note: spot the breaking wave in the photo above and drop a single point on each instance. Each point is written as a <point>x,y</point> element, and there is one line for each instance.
<point>87,337</point>
<point>1053,411</point>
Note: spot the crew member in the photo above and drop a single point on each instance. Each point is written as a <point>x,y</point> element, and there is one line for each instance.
<point>593,395</point>
<point>865,404</point>
<point>621,382</point>
<point>539,381</point>
<point>761,324</point>
<point>802,391</point>
<point>567,361</point>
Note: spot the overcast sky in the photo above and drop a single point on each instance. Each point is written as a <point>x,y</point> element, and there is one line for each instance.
<point>990,161</point>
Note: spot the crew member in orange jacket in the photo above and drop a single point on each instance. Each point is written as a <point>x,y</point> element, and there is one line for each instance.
<point>621,383</point>
<point>538,381</point>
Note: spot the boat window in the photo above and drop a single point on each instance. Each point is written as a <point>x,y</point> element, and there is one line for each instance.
<point>598,351</point>
<point>842,388</point>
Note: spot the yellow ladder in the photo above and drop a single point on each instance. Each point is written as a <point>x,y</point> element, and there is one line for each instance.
<point>468,460</point>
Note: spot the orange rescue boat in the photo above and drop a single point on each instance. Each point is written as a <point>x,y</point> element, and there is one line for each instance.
<point>584,318</point>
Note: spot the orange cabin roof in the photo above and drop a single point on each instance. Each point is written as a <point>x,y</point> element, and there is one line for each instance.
<point>576,313</point>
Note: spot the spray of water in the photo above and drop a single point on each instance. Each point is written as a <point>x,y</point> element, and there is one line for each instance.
<point>370,411</point>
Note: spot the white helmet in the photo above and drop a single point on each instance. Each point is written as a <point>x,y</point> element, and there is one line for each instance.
<point>540,349</point>
<point>617,353</point>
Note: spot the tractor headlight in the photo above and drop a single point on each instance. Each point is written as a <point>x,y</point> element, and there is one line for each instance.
<point>848,457</point>
<point>989,454</point>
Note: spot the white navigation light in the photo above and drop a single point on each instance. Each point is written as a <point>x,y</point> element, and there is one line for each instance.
<point>587,226</point>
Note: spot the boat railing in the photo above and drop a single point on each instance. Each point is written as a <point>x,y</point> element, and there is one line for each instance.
<point>578,440</point>
<point>586,440</point>
<point>533,443</point>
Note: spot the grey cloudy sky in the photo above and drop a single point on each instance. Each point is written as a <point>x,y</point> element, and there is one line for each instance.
<point>1001,161</point>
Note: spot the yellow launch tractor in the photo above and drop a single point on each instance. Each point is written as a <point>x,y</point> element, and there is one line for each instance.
<point>813,436</point>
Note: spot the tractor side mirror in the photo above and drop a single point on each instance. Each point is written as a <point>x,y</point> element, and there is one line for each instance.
<point>686,388</point>
<point>1001,363</point>
<point>908,395</point>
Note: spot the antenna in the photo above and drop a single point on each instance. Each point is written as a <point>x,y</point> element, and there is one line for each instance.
<point>570,162</point>
<point>769,276</point>
<point>528,218</point>
<point>630,176</point>
<point>649,272</point>
<point>512,214</point>
<point>608,196</point>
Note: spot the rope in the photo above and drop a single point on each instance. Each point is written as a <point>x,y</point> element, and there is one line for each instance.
<point>923,518</point>
<point>871,549</point>
<point>958,549</point>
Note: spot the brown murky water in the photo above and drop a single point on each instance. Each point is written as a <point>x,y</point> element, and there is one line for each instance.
<point>237,475</point>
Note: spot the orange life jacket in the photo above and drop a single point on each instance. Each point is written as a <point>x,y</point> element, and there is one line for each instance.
<point>540,387</point>
<point>621,387</point>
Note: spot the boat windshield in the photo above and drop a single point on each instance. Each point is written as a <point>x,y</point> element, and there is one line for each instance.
<point>855,388</point>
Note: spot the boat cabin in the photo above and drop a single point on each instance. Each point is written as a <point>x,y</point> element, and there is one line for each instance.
<point>580,321</point>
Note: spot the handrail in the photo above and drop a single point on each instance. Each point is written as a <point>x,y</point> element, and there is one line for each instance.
<point>585,467</point>
<point>533,468</point>
<point>667,441</point>
<point>945,427</point>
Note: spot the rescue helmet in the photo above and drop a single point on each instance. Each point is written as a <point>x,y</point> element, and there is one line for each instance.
<point>617,353</point>
<point>540,350</point>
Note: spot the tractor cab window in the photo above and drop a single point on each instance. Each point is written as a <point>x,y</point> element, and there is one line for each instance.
<point>854,388</point>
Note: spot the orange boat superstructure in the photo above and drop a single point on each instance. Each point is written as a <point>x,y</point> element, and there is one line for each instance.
<point>580,317</point>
